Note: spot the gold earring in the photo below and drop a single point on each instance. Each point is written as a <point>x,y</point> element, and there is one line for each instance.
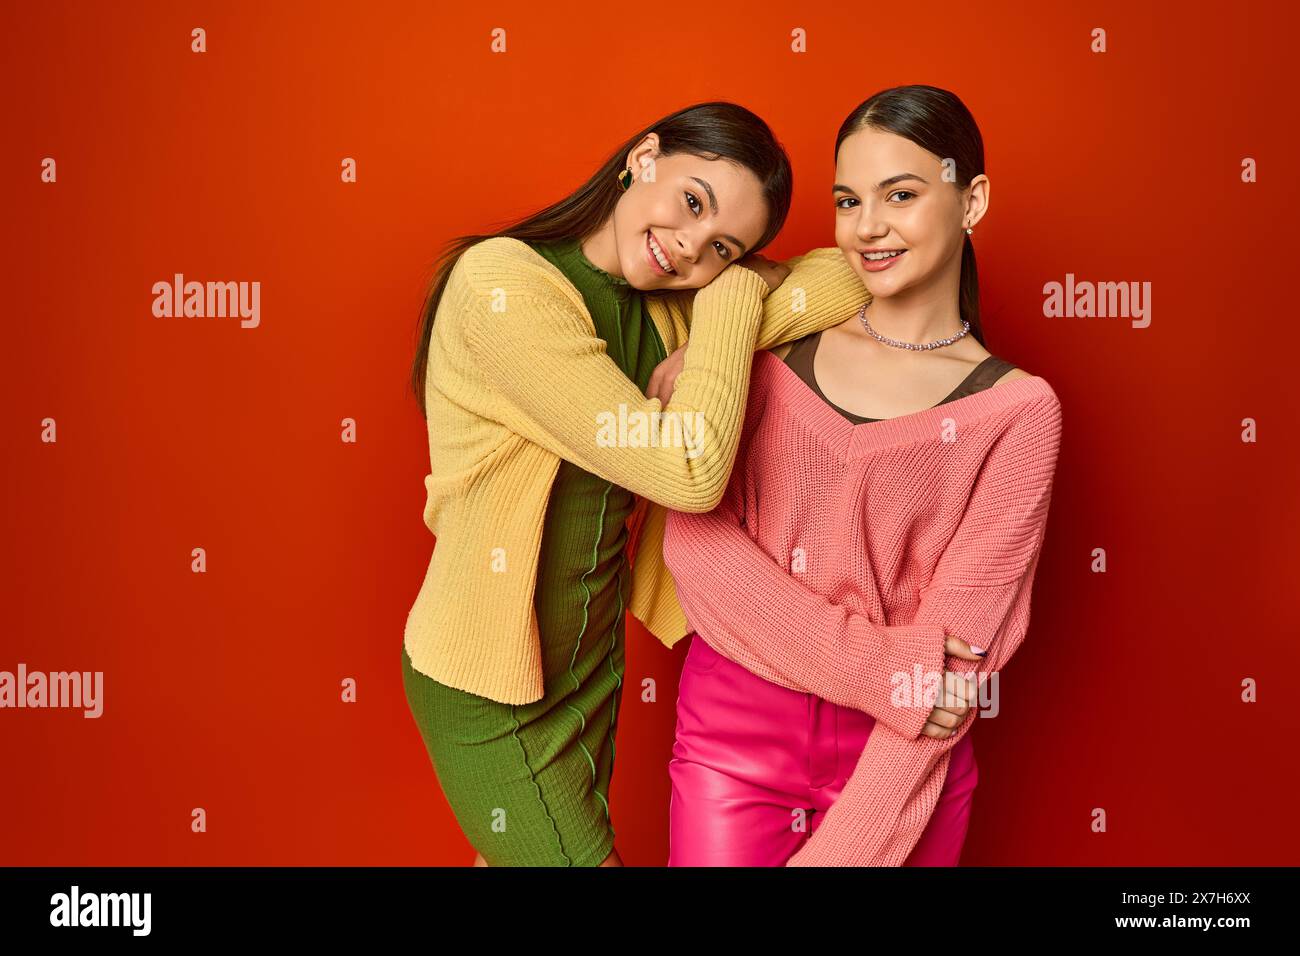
<point>625,179</point>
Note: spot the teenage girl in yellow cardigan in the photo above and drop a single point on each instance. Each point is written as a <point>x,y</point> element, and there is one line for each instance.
<point>668,212</point>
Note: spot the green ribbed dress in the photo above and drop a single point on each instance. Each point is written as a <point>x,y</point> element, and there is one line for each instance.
<point>529,783</point>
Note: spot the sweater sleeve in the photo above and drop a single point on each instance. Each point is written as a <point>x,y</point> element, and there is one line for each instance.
<point>559,388</point>
<point>981,590</point>
<point>740,600</point>
<point>821,290</point>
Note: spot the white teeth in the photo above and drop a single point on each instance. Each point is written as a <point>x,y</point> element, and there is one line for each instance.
<point>874,256</point>
<point>659,255</point>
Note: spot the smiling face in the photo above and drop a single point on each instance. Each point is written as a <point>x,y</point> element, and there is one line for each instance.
<point>693,219</point>
<point>899,224</point>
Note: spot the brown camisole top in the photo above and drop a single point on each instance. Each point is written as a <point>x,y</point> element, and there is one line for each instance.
<point>800,360</point>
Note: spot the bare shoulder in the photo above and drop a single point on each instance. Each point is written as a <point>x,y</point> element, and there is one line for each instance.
<point>1012,375</point>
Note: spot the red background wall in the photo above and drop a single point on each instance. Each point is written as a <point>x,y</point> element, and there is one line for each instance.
<point>222,689</point>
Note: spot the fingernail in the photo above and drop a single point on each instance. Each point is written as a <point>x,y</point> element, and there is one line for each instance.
<point>978,650</point>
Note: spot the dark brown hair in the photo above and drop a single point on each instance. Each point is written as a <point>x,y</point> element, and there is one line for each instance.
<point>714,130</point>
<point>937,121</point>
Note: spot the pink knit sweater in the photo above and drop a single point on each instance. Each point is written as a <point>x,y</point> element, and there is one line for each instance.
<point>842,554</point>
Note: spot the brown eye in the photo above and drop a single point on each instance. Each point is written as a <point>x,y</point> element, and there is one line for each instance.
<point>692,198</point>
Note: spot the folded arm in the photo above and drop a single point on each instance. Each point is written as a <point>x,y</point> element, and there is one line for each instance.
<point>981,591</point>
<point>562,391</point>
<point>754,612</point>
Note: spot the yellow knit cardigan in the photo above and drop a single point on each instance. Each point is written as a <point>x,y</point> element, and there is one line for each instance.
<point>518,380</point>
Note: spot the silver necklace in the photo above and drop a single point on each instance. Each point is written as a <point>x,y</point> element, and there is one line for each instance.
<point>938,343</point>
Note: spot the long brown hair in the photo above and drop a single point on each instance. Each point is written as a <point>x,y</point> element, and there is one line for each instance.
<point>937,121</point>
<point>714,130</point>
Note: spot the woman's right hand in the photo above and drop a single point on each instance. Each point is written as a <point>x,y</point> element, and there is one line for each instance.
<point>773,273</point>
<point>959,694</point>
<point>664,377</point>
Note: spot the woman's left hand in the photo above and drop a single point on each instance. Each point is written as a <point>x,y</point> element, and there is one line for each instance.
<point>664,377</point>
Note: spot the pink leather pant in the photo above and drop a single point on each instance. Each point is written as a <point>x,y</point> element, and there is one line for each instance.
<point>749,753</point>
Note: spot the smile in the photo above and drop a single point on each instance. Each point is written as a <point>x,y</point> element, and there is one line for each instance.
<point>658,257</point>
<point>879,260</point>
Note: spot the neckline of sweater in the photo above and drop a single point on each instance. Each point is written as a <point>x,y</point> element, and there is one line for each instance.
<point>615,285</point>
<point>925,425</point>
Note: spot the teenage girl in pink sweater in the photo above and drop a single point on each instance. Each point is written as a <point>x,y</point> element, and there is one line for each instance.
<point>858,541</point>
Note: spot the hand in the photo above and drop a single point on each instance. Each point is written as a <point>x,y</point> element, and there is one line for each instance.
<point>959,694</point>
<point>772,272</point>
<point>664,377</point>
